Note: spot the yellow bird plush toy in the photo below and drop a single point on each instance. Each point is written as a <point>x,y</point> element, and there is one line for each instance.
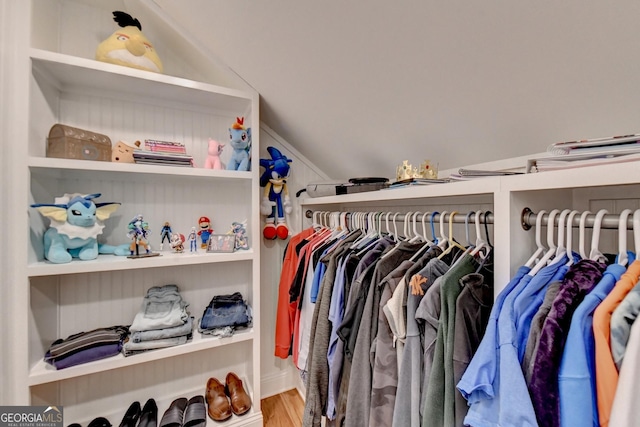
<point>128,46</point>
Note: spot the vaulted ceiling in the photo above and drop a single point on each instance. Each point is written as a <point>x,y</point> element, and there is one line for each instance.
<point>357,86</point>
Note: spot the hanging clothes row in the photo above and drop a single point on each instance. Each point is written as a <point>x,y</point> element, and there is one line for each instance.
<point>382,323</point>
<point>559,332</point>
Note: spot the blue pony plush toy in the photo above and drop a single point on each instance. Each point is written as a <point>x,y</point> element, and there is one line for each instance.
<point>76,222</point>
<point>274,181</point>
<point>240,141</point>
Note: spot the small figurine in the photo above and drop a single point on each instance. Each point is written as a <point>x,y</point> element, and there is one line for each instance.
<point>139,235</point>
<point>204,224</point>
<point>240,141</point>
<point>192,238</point>
<point>128,46</point>
<point>165,233</point>
<point>274,181</point>
<point>213,157</point>
<point>76,223</point>
<point>239,229</point>
<point>177,242</point>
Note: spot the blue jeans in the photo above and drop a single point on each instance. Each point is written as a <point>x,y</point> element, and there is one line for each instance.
<point>162,307</point>
<point>226,310</point>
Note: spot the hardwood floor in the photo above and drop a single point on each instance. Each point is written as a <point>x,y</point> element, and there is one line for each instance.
<point>283,410</point>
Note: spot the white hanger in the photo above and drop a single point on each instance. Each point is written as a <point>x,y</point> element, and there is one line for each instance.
<point>451,241</point>
<point>581,234</point>
<point>466,228</point>
<point>396,237</point>
<point>623,258</point>
<point>405,226</point>
<point>570,237</point>
<point>595,254</point>
<point>480,242</point>
<point>552,246</point>
<point>540,247</point>
<point>561,250</point>
<point>416,236</point>
<point>443,240</point>
<point>636,231</point>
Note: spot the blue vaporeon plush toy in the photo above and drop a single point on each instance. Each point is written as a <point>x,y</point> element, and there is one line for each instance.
<point>275,201</point>
<point>76,222</point>
<point>240,141</point>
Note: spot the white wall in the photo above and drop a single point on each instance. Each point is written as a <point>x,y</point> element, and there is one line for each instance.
<point>279,375</point>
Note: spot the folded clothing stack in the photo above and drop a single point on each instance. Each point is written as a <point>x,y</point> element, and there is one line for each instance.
<point>224,314</point>
<point>161,322</point>
<point>85,347</point>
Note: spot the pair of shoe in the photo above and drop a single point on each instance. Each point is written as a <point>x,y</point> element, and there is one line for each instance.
<point>225,400</point>
<point>136,416</point>
<point>185,413</point>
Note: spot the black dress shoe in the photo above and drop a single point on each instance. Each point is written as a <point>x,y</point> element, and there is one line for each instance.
<point>99,422</point>
<point>149,414</point>
<point>132,415</point>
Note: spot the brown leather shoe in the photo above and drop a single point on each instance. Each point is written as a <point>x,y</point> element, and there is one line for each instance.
<point>218,406</point>
<point>240,400</point>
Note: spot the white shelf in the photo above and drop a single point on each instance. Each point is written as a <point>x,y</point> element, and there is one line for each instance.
<point>70,72</point>
<point>464,188</point>
<point>93,167</point>
<point>115,263</point>
<point>43,373</point>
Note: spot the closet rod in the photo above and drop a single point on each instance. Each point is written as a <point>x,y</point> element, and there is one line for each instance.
<point>528,220</point>
<point>458,218</point>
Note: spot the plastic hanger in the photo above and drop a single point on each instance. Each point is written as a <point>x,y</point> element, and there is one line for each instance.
<point>595,254</point>
<point>406,226</point>
<point>550,243</point>
<point>582,234</point>
<point>451,241</point>
<point>443,240</point>
<point>636,232</point>
<point>486,230</point>
<point>570,237</point>
<point>416,236</point>
<point>623,257</point>
<point>466,228</point>
<point>539,246</point>
<point>561,249</point>
<point>480,242</point>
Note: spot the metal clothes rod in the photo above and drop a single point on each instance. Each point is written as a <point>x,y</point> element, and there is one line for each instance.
<point>458,218</point>
<point>528,220</point>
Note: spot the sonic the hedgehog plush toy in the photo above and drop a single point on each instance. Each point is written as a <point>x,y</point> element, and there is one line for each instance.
<point>275,202</point>
<point>128,46</point>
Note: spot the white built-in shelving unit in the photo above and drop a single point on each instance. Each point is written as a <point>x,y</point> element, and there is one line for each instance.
<point>62,83</point>
<point>613,187</point>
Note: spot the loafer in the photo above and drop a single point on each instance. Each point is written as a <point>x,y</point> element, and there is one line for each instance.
<point>240,400</point>
<point>196,413</point>
<point>218,406</point>
<point>99,422</point>
<point>130,418</point>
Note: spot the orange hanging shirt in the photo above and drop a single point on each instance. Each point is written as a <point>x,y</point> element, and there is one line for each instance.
<point>606,371</point>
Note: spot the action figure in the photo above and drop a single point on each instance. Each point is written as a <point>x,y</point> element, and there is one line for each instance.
<point>165,233</point>
<point>240,231</point>
<point>138,234</point>
<point>177,242</point>
<point>205,231</point>
<point>192,238</point>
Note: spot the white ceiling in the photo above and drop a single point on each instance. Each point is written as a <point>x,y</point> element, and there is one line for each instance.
<point>357,86</point>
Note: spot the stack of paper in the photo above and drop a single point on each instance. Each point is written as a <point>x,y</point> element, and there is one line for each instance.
<point>588,152</point>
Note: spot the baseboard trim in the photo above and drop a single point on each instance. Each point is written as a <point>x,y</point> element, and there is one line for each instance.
<point>279,382</point>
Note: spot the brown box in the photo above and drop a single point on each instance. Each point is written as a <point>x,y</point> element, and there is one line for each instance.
<point>66,142</point>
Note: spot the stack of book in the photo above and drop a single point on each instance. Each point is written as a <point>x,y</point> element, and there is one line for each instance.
<point>163,153</point>
<point>588,152</point>
<point>468,174</point>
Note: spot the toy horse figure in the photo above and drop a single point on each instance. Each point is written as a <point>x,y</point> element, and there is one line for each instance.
<point>240,140</point>
<point>213,157</point>
<point>76,222</point>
